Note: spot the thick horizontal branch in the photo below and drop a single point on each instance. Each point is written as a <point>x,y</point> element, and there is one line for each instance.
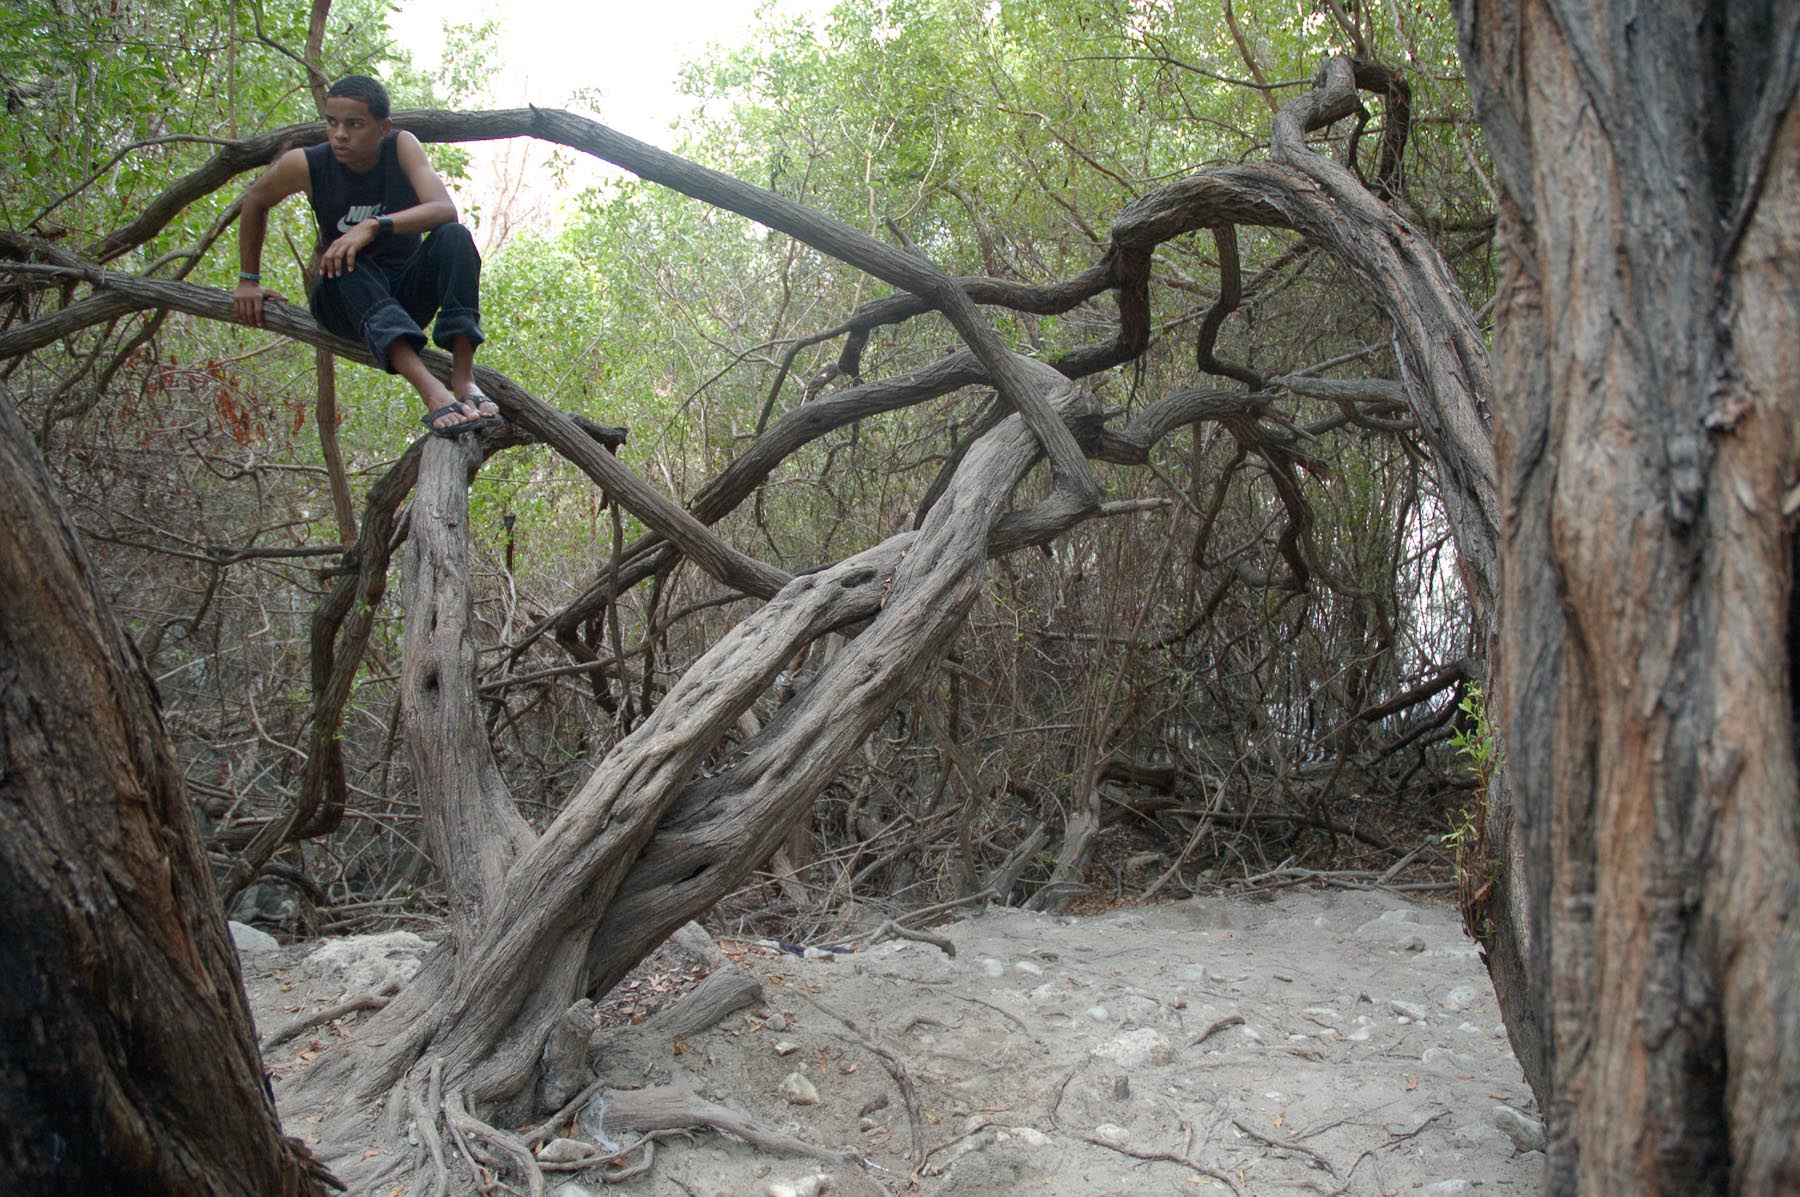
<point>560,431</point>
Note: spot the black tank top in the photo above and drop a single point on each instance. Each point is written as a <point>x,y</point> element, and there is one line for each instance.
<point>342,199</point>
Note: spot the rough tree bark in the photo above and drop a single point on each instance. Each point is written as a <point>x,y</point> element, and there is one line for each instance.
<point>1646,416</point>
<point>127,1058</point>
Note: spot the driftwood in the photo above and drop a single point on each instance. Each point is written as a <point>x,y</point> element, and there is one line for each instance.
<point>673,1107</point>
<point>723,993</point>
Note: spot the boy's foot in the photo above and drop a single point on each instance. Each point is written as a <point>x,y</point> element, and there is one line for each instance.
<point>485,412</point>
<point>449,421</point>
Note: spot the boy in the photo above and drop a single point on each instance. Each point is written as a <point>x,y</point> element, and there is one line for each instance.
<point>374,193</point>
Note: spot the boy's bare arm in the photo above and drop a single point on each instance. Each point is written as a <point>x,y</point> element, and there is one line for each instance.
<point>288,176</point>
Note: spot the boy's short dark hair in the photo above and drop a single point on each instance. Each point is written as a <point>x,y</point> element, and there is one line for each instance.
<point>361,87</point>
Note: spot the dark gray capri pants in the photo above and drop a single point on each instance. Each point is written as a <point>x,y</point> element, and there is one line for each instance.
<point>381,303</point>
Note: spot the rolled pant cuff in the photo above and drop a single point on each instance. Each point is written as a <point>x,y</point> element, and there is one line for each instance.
<point>386,323</point>
<point>457,322</point>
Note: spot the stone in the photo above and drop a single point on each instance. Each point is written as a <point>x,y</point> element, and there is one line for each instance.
<point>1030,1136</point>
<point>776,1022</point>
<point>1410,1011</point>
<point>276,903</point>
<point>1112,1134</point>
<point>571,1189</point>
<point>695,947</point>
<point>1461,951</point>
<point>1527,1134</point>
<point>1099,1013</point>
<point>805,1186</point>
<point>1447,1060</point>
<point>785,1047</point>
<point>1030,969</point>
<point>993,968</point>
<point>796,1090</point>
<point>1197,974</point>
<point>250,941</point>
<point>1136,1008</point>
<point>1252,1034</point>
<point>1444,1188</point>
<point>367,963</point>
<point>1142,1048</point>
<point>563,1151</point>
<point>1460,998</point>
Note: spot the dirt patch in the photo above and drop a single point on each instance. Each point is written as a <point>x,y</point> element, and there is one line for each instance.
<point>1336,1041</point>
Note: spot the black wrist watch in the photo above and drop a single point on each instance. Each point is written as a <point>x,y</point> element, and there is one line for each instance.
<point>384,225</point>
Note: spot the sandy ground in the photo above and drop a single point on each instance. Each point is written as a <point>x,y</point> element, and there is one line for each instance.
<point>1331,1042</point>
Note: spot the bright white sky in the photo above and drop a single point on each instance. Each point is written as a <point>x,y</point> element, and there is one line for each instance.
<point>631,50</point>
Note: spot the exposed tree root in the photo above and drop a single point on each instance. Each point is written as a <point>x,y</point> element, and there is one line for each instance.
<point>293,1030</point>
<point>675,1107</point>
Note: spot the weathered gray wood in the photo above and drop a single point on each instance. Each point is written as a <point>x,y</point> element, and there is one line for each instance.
<point>725,991</point>
<point>669,1107</point>
<point>473,831</point>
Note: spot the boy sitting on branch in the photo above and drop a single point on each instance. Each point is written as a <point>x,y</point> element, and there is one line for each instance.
<point>374,195</point>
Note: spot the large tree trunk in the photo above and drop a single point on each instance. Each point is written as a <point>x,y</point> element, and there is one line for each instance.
<point>1646,416</point>
<point>127,1058</point>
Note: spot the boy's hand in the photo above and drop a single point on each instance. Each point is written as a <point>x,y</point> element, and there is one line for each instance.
<point>340,255</point>
<point>247,301</point>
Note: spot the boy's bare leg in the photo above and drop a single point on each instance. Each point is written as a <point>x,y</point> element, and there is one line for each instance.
<point>462,374</point>
<point>407,363</point>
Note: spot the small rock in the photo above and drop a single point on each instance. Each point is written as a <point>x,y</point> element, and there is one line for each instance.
<point>1527,1134</point>
<point>1468,1028</point>
<point>1411,1011</point>
<point>1121,1088</point>
<point>691,943</point>
<point>993,968</point>
<point>805,1186</point>
<point>1447,1060</point>
<point>1197,974</point>
<point>1135,1008</point>
<point>1389,924</point>
<point>796,1090</point>
<point>367,963</point>
<point>561,1151</point>
<point>784,1047</point>
<point>1444,1188</point>
<point>1455,952</point>
<point>250,941</point>
<point>819,955</point>
<point>1112,1134</point>
<point>1099,1013</point>
<point>1142,1048</point>
<point>571,1189</point>
<point>1251,1033</point>
<point>1362,1031</point>
<point>776,1022</point>
<point>1460,998</point>
<point>1027,967</point>
<point>1031,1136</point>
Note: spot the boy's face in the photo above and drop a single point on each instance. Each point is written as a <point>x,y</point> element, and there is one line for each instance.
<point>355,136</point>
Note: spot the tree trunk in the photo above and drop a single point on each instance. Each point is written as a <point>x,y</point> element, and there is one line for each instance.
<point>127,1060</point>
<point>1646,418</point>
